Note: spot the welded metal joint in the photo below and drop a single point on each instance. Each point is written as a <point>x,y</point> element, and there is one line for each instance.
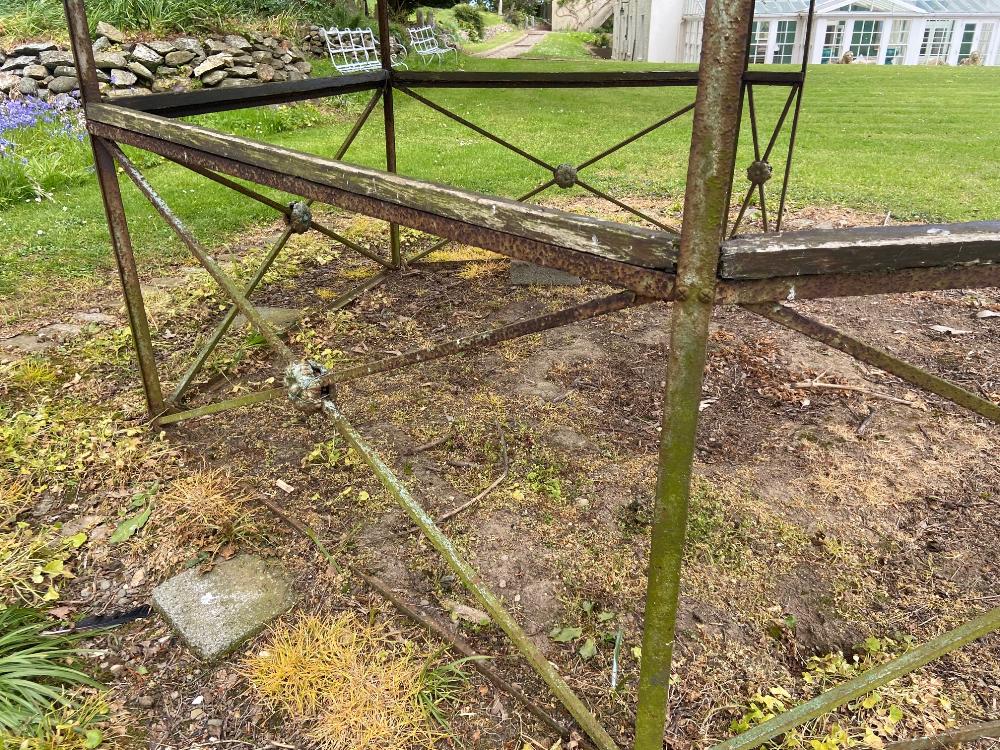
<point>759,172</point>
<point>299,217</point>
<point>564,175</point>
<point>306,389</point>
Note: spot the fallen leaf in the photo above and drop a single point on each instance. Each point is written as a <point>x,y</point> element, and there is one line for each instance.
<point>127,528</point>
<point>565,635</point>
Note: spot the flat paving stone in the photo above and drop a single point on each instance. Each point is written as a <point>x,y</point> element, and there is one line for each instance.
<point>529,274</point>
<point>215,612</point>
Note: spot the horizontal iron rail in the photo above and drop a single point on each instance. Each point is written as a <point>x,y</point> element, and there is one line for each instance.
<point>879,358</point>
<point>826,251</point>
<point>865,683</point>
<point>566,316</point>
<point>587,79</point>
<point>619,254</point>
<point>204,101</point>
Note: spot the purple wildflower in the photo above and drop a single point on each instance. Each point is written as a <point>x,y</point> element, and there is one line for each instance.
<point>59,116</point>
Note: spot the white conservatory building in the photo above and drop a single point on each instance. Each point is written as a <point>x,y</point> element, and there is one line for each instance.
<point>882,32</point>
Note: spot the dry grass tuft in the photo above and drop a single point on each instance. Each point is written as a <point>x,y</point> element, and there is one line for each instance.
<point>345,680</point>
<point>208,505</point>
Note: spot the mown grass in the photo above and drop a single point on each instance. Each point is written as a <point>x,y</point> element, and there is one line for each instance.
<point>568,45</point>
<point>917,141</point>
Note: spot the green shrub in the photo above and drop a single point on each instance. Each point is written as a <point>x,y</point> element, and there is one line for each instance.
<point>516,17</point>
<point>33,18</point>
<point>470,20</point>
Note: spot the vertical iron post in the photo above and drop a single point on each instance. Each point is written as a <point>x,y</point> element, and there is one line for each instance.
<point>806,45</point>
<point>389,116</point>
<point>114,209</point>
<point>739,123</point>
<point>710,166</point>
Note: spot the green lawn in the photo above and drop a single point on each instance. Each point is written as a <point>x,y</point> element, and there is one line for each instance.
<point>920,142</point>
<point>567,45</point>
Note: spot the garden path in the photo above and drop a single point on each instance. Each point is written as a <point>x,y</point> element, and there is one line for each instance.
<point>517,47</point>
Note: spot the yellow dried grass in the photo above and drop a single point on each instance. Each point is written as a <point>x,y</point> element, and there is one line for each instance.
<point>346,681</point>
<point>207,505</point>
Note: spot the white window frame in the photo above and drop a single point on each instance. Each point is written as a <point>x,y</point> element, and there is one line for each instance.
<point>930,28</point>
<point>773,48</point>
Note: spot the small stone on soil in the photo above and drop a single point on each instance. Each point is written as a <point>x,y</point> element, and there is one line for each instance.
<point>215,612</point>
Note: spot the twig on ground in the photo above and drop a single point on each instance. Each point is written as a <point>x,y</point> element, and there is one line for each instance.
<point>496,483</point>
<point>429,445</point>
<point>863,427</point>
<point>856,389</point>
<point>453,640</point>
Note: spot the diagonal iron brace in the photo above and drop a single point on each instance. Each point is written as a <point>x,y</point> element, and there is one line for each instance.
<point>206,260</point>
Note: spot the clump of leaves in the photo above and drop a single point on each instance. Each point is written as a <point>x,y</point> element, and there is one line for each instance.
<point>544,479</point>
<point>33,563</point>
<point>915,702</point>
<point>344,679</point>
<point>36,670</point>
<point>442,684</point>
<point>75,726</point>
<point>31,373</point>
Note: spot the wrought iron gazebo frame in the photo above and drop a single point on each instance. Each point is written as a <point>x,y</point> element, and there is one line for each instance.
<point>695,270</point>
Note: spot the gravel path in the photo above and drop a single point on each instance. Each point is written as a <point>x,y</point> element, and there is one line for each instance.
<point>518,47</point>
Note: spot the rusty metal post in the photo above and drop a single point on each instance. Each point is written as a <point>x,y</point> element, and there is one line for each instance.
<point>710,167</point>
<point>114,209</point>
<point>389,116</point>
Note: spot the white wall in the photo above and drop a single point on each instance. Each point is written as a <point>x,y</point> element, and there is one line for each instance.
<point>665,30</point>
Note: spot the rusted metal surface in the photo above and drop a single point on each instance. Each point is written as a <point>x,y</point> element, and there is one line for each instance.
<point>620,254</point>
<point>787,288</point>
<point>227,320</point>
<point>220,406</point>
<point>388,119</point>
<point>286,210</point>
<point>559,80</point>
<point>206,260</point>
<point>114,209</point>
<point>879,358</point>
<point>807,46</point>
<point>706,203</point>
<point>761,157</point>
<point>602,306</point>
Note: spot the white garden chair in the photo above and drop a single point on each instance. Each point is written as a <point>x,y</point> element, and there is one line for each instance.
<point>357,50</point>
<point>428,43</point>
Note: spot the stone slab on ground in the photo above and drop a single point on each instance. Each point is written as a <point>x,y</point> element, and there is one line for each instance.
<point>528,274</point>
<point>216,611</point>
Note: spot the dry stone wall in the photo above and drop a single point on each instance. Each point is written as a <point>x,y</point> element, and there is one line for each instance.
<point>126,67</point>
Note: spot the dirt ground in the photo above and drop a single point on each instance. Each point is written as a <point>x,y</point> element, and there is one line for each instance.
<point>821,519</point>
